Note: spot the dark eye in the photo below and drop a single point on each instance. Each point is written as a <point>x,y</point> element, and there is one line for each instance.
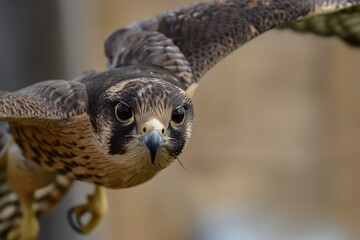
<point>124,113</point>
<point>178,116</point>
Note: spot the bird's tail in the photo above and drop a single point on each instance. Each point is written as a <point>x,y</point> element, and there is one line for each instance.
<point>45,198</point>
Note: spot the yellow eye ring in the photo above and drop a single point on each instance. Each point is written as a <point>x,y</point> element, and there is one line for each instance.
<point>124,113</point>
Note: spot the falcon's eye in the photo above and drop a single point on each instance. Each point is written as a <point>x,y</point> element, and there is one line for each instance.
<point>124,113</point>
<point>178,116</point>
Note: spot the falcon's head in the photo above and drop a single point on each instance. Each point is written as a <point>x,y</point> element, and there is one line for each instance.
<point>142,121</point>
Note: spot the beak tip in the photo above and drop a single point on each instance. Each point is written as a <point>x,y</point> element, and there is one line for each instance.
<point>152,155</point>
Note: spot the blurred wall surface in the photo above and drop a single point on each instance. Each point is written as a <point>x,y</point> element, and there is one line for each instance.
<point>30,43</point>
<point>276,137</point>
<point>274,153</point>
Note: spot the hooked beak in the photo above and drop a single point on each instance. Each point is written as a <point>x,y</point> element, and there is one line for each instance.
<point>153,141</point>
<point>152,137</point>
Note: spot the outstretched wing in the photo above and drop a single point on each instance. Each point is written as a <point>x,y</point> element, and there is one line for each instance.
<point>37,104</point>
<point>344,24</point>
<point>196,37</point>
<point>48,100</point>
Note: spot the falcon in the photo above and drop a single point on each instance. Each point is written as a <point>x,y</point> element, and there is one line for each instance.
<point>120,127</point>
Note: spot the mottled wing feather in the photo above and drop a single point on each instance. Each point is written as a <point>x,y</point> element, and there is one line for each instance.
<point>48,100</point>
<point>206,32</point>
<point>137,47</point>
<point>4,141</point>
<point>343,24</point>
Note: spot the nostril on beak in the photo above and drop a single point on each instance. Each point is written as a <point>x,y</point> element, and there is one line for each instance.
<point>161,131</point>
<point>152,124</point>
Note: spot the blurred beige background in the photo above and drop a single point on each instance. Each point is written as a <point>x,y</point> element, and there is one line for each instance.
<point>276,137</point>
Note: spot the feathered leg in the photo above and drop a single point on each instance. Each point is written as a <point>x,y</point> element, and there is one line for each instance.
<point>24,178</point>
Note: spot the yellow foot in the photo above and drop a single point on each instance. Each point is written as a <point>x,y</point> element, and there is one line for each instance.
<point>96,206</point>
<point>17,234</point>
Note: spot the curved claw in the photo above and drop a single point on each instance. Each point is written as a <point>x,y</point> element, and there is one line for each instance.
<point>74,221</point>
<point>96,207</point>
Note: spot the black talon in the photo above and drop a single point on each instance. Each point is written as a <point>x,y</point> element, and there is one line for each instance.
<point>74,224</point>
